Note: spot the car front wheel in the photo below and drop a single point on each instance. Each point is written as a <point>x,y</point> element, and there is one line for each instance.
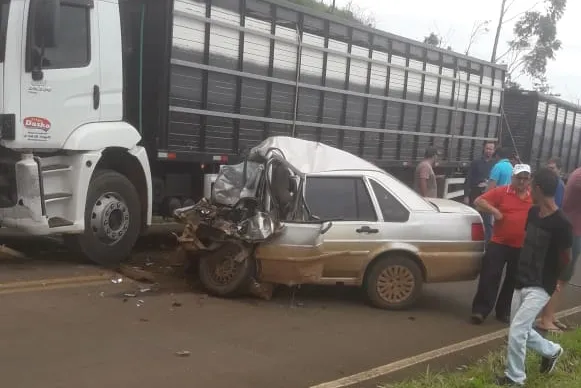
<point>394,282</point>
<point>222,275</point>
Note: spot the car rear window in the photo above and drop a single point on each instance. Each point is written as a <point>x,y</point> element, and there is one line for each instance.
<point>339,198</point>
<point>391,209</point>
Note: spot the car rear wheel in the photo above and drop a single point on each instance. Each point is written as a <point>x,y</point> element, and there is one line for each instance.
<point>394,283</point>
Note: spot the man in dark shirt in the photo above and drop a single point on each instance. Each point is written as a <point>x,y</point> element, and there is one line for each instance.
<point>544,255</point>
<point>477,178</point>
<point>477,181</point>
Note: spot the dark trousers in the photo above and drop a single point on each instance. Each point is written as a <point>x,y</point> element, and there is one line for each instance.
<point>493,263</point>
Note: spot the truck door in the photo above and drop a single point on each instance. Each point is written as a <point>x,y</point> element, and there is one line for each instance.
<point>60,92</point>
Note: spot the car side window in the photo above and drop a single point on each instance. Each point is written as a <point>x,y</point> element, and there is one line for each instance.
<point>339,198</point>
<point>73,45</point>
<point>391,208</point>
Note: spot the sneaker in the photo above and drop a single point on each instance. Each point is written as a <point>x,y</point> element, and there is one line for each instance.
<point>477,319</point>
<point>548,363</point>
<point>504,381</point>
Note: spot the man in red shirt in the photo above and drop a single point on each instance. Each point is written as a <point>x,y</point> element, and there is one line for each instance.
<point>509,205</point>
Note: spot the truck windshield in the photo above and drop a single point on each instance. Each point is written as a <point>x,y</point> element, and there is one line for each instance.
<point>4,8</point>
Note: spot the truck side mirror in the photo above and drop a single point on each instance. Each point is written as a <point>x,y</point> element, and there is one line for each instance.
<point>45,19</point>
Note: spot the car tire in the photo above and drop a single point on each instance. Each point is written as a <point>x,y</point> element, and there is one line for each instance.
<point>109,193</point>
<point>222,276</point>
<point>394,282</point>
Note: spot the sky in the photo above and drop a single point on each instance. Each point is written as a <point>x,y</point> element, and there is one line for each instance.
<point>454,21</point>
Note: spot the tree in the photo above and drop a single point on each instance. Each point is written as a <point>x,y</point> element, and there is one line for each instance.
<point>433,39</point>
<point>349,11</point>
<point>479,28</point>
<point>534,43</point>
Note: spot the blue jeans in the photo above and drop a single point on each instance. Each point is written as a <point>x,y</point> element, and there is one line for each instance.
<point>527,303</point>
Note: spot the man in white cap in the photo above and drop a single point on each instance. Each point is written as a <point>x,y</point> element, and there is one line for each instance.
<point>509,205</point>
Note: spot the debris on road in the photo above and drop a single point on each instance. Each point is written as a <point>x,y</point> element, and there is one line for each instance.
<point>140,303</point>
<point>9,253</point>
<point>137,274</point>
<point>183,353</point>
<point>262,290</point>
<point>176,304</point>
<point>117,280</point>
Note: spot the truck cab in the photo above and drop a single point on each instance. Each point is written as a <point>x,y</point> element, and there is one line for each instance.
<point>70,162</point>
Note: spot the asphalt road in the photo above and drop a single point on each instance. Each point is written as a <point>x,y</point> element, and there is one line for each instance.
<point>90,334</point>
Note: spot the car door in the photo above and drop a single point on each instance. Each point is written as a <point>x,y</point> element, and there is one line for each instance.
<point>395,216</point>
<point>64,94</point>
<point>346,201</point>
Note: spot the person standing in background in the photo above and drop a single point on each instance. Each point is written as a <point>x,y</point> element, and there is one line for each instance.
<point>572,209</point>
<point>509,205</point>
<point>514,159</point>
<point>555,165</point>
<point>477,178</point>
<point>477,181</point>
<point>501,173</point>
<point>424,178</point>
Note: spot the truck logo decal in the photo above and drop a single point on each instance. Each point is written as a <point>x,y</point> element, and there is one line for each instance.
<point>37,123</point>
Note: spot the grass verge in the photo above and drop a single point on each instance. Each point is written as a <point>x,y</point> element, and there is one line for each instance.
<point>482,374</point>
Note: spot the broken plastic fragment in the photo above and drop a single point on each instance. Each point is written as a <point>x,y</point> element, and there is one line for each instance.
<point>117,280</point>
<point>130,295</point>
<point>183,353</point>
<point>140,303</point>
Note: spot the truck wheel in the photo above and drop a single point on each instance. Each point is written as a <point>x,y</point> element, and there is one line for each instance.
<point>112,219</point>
<point>222,276</point>
<point>394,283</point>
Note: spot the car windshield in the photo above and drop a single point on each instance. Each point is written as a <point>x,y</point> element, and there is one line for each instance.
<point>4,8</point>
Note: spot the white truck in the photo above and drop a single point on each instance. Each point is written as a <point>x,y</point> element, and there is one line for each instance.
<point>111,110</point>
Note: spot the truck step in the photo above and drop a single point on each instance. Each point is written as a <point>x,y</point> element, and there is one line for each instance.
<point>56,197</point>
<point>56,222</point>
<point>55,168</point>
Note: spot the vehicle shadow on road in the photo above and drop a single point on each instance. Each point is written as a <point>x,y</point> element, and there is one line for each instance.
<point>159,255</point>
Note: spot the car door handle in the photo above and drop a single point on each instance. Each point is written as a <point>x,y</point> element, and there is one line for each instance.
<point>96,97</point>
<point>366,229</point>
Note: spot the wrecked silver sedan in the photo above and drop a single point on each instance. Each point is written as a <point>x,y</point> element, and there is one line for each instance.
<point>300,212</point>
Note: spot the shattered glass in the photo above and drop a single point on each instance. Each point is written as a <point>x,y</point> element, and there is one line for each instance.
<point>235,182</point>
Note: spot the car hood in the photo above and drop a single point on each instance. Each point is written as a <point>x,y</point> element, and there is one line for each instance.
<point>449,206</point>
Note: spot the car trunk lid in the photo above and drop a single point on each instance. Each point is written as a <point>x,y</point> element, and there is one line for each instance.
<point>449,206</point>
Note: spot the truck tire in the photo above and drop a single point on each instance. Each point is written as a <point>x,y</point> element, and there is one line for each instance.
<point>394,282</point>
<point>222,276</point>
<point>112,219</point>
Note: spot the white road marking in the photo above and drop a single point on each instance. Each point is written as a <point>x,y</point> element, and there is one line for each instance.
<point>424,357</point>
